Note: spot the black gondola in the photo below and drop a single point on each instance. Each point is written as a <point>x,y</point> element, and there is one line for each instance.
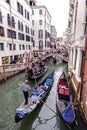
<point>64,101</point>
<point>37,74</point>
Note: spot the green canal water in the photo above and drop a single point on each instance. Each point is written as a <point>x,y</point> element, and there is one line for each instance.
<point>42,118</point>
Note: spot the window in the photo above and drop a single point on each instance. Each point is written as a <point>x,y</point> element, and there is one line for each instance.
<point>28,15</point>
<point>23,47</point>
<point>9,19</point>
<point>14,46</point>
<point>47,34</point>
<point>13,22</point>
<point>25,13</point>
<point>20,8</point>
<point>26,28</point>
<point>1,31</point>
<point>40,12</point>
<point>33,22</point>
<point>23,37</point>
<point>19,25</point>
<point>40,44</point>
<point>1,46</point>
<point>40,34</point>
<point>75,59</point>
<point>29,47</point>
<point>85,29</point>
<point>19,46</point>
<point>31,39</point>
<point>0,17</point>
<point>33,32</point>
<point>20,36</point>
<point>8,1</point>
<point>32,12</point>
<point>33,43</point>
<point>40,22</point>
<point>27,38</point>
<point>10,46</point>
<point>11,34</point>
<point>14,34</point>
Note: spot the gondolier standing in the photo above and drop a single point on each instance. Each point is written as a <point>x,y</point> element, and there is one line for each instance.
<point>26,88</point>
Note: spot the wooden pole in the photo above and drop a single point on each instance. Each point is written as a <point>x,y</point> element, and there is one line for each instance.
<point>4,72</point>
<point>77,92</point>
<point>70,78</point>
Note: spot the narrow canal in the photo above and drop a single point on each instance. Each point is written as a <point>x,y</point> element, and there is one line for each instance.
<point>40,119</point>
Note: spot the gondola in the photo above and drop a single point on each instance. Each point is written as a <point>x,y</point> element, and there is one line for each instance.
<point>64,101</point>
<point>36,97</point>
<point>36,75</point>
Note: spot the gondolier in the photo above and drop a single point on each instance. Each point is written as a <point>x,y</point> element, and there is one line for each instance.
<point>25,89</point>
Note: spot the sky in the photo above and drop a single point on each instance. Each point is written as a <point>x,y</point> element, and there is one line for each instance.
<point>59,11</point>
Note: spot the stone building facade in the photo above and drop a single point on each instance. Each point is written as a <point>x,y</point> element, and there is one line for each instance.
<point>77,24</point>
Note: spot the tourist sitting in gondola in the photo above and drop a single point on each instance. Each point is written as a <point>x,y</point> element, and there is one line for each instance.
<point>36,72</point>
<point>54,59</point>
<point>39,89</point>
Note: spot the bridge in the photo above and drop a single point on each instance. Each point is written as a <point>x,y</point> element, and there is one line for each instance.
<point>63,58</point>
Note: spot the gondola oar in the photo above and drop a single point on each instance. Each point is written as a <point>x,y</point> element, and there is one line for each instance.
<point>45,103</point>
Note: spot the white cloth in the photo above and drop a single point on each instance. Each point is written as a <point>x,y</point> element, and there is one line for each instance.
<point>25,87</point>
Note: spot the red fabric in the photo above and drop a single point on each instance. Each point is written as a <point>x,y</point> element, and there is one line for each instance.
<point>62,82</point>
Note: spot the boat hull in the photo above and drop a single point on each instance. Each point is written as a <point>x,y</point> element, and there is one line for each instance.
<point>37,76</point>
<point>62,106</point>
<point>64,101</point>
